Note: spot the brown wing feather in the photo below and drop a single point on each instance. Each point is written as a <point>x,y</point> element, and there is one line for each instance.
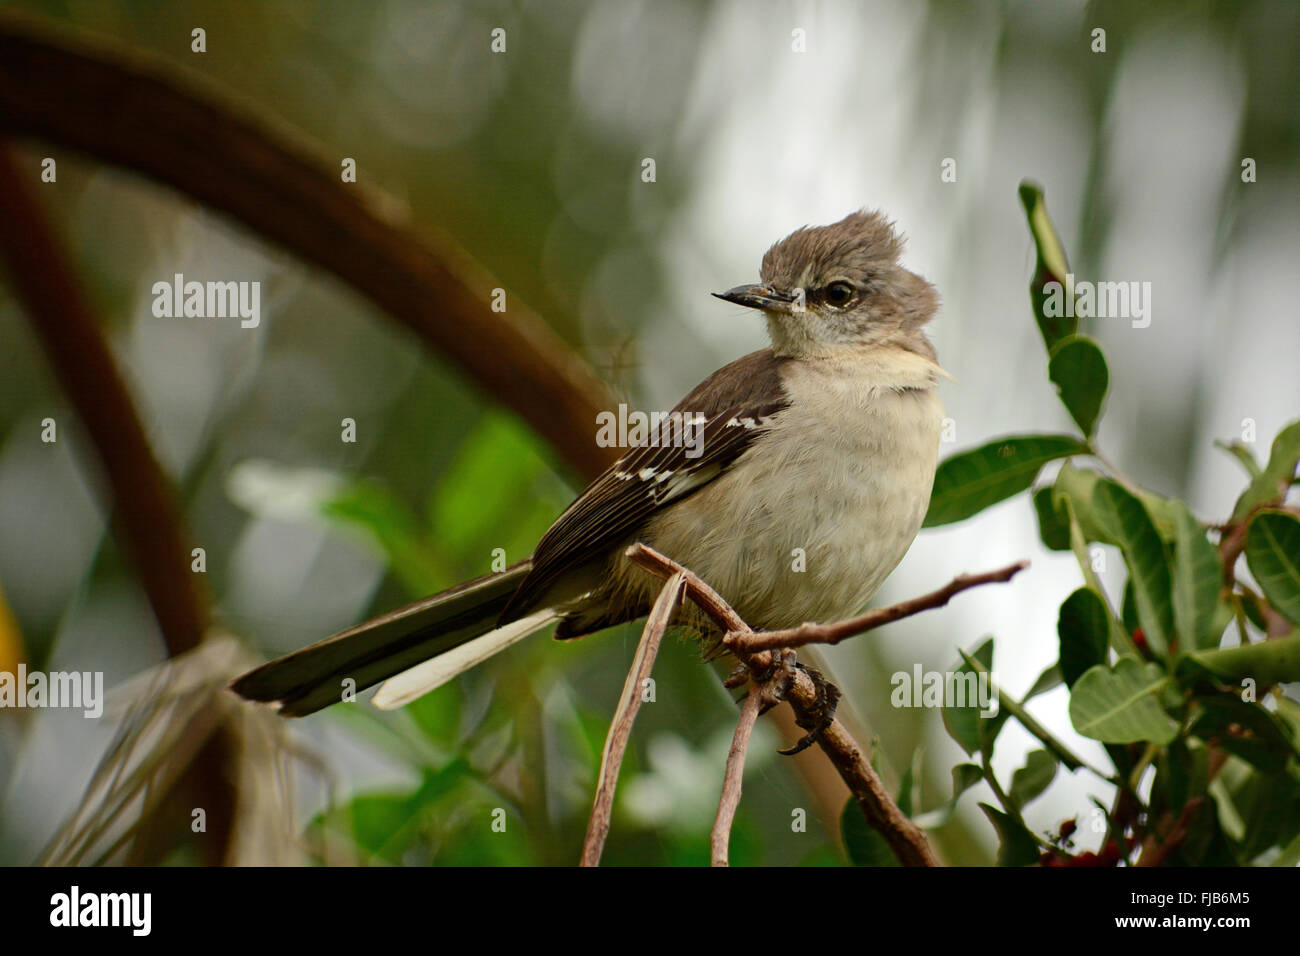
<point>734,401</point>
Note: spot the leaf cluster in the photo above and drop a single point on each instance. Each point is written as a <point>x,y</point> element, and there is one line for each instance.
<point>1181,676</point>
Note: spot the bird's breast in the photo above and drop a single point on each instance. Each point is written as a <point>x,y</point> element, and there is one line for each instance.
<point>816,514</point>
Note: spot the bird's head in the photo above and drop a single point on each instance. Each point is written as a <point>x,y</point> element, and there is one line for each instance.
<point>842,284</point>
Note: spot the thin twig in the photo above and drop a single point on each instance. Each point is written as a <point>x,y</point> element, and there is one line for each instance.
<point>834,633</point>
<point>621,727</point>
<point>903,836</point>
<point>1018,710</point>
<point>720,839</point>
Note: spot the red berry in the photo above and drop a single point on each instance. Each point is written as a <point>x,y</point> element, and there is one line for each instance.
<point>1139,638</point>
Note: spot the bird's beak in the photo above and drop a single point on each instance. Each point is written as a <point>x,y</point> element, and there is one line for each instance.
<point>758,297</point>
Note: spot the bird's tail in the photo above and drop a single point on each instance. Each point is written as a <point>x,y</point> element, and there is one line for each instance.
<point>445,634</point>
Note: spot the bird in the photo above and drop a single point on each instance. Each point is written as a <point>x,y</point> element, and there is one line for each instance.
<point>808,481</point>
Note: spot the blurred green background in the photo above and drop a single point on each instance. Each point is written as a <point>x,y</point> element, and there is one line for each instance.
<point>531,160</point>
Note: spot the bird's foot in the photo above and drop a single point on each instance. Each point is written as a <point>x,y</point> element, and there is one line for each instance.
<point>820,716</point>
<point>778,679</point>
<point>738,677</point>
<point>773,683</point>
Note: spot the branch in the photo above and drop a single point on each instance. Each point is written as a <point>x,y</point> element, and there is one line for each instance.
<point>71,335</point>
<point>834,633</point>
<point>1154,854</point>
<point>720,839</point>
<point>902,835</point>
<point>144,510</point>
<point>611,759</point>
<point>127,110</point>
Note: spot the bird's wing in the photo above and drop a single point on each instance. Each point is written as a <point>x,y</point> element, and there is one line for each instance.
<point>735,403</point>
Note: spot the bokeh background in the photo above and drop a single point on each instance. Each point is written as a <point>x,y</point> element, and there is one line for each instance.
<point>531,160</point>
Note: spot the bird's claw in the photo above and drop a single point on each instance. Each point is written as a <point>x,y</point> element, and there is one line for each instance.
<point>820,716</point>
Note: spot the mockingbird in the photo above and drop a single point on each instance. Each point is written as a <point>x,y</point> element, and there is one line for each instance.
<point>811,481</point>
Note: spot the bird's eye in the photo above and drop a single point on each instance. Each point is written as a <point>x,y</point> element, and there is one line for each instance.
<point>839,293</point>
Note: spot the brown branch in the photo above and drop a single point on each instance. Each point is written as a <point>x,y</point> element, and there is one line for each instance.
<point>143,507</point>
<point>812,633</point>
<point>1154,854</point>
<point>903,836</point>
<point>143,503</point>
<point>1232,542</point>
<point>611,758</point>
<point>134,113</point>
<point>732,779</point>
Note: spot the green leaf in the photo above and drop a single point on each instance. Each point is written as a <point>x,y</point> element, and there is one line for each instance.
<point>1052,528</point>
<point>1273,554</point>
<point>1077,485</point>
<point>909,785</point>
<point>1219,849</point>
<point>1245,730</point>
<point>1252,605</point>
<point>1290,854</point>
<point>967,483</point>
<point>1034,777</point>
<point>1078,370</point>
<point>1270,805</point>
<point>367,510</point>
<point>374,507</point>
<point>1119,705</point>
<point>865,846</point>
<point>386,824</point>
<point>438,714</point>
<point>1243,454</point>
<point>1050,267</point>
<point>1197,576</point>
<point>498,492</point>
<point>1128,609</point>
<point>1080,484</point>
<point>1144,551</point>
<point>1050,679</point>
<point>1186,764</point>
<point>1016,845</point>
<point>1120,639</point>
<point>1270,662</point>
<point>1084,632</point>
<point>1277,475</point>
<point>964,776</point>
<point>964,724</point>
<point>1162,514</point>
<point>1202,831</point>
